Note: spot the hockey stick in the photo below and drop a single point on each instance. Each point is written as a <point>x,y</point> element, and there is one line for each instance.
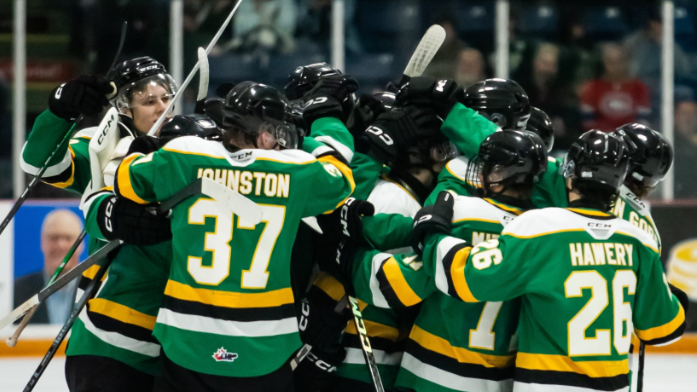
<point>44,167</point>
<point>203,77</point>
<point>90,291</point>
<point>230,199</point>
<point>640,372</point>
<point>189,77</point>
<point>12,340</point>
<point>422,56</point>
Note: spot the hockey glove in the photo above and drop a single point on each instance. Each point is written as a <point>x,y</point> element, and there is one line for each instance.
<point>84,95</point>
<point>394,131</point>
<point>440,95</point>
<point>326,97</point>
<point>315,372</point>
<point>144,145</point>
<point>368,108</point>
<point>342,233</point>
<point>433,219</point>
<point>320,326</point>
<point>122,219</point>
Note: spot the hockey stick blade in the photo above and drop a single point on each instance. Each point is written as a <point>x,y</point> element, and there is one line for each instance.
<point>203,73</point>
<point>427,48</point>
<point>58,284</point>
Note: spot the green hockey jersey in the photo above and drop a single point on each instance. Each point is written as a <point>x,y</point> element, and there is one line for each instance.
<point>632,209</point>
<point>586,281</point>
<point>228,308</point>
<point>453,346</point>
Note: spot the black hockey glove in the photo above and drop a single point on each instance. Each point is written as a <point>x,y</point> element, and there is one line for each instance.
<point>440,95</point>
<point>434,219</point>
<point>85,95</point>
<point>315,372</point>
<point>325,98</point>
<point>320,326</point>
<point>368,108</point>
<point>342,234</point>
<point>144,144</point>
<point>394,131</point>
<point>122,219</point>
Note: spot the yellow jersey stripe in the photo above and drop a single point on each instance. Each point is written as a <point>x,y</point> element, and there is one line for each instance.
<point>123,177</point>
<point>512,210</point>
<point>344,170</point>
<point>376,330</point>
<point>662,330</point>
<point>477,220</point>
<point>441,346</point>
<point>91,272</point>
<point>70,180</point>
<point>561,363</point>
<point>584,211</point>
<point>330,286</point>
<point>225,299</point>
<point>457,274</point>
<point>543,234</point>
<point>399,284</point>
<point>192,153</point>
<point>121,313</point>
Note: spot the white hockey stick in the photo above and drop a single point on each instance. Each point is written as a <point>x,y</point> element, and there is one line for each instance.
<point>202,75</point>
<point>188,79</point>
<point>425,51</point>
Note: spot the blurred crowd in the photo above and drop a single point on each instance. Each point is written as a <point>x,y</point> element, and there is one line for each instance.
<point>590,65</point>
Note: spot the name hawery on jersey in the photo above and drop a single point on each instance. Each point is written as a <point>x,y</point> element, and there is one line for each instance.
<point>247,182</point>
<point>601,253</point>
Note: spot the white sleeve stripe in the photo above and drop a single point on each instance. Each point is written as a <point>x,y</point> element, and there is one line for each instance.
<point>54,170</point>
<point>444,246</point>
<point>321,150</point>
<point>378,298</point>
<point>339,147</point>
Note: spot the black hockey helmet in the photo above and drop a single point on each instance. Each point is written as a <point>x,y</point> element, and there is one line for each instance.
<point>502,101</point>
<point>508,158</point>
<point>650,155</point>
<point>540,124</point>
<point>132,77</point>
<point>597,158</point>
<point>304,78</point>
<point>253,108</point>
<point>190,125</point>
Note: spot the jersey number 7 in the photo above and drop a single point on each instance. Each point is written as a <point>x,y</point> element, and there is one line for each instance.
<point>218,243</point>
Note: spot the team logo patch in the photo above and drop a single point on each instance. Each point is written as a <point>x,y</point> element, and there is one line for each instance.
<point>223,356</point>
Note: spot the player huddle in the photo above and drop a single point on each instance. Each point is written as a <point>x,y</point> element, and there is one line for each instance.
<point>478,262</point>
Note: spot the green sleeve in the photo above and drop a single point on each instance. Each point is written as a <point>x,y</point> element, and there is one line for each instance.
<point>658,316</point>
<point>366,172</point>
<point>91,226</point>
<point>550,191</point>
<point>481,273</point>
<point>333,133</point>
<point>390,281</point>
<point>467,129</point>
<point>447,181</point>
<point>70,167</point>
<point>387,231</point>
<point>137,174</point>
<point>332,183</point>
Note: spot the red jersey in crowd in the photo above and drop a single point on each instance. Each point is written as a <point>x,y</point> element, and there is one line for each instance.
<point>607,105</point>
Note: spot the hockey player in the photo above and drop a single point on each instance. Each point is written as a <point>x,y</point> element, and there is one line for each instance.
<point>586,278</point>
<point>228,319</point>
<point>649,161</point>
<point>111,341</point>
<point>457,346</point>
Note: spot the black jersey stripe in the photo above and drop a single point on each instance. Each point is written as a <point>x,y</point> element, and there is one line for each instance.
<point>109,324</point>
<point>572,379</point>
<point>236,314</point>
<point>452,365</point>
<point>62,177</point>
<point>386,288</point>
<point>447,266</point>
<point>669,338</point>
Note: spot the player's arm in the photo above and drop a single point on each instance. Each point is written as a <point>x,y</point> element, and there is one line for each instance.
<point>366,172</point>
<point>550,191</point>
<point>331,183</point>
<point>659,309</point>
<point>137,175</point>
<point>390,281</point>
<point>467,129</point>
<point>387,231</point>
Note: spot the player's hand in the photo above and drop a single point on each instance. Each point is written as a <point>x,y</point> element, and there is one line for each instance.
<point>122,219</point>
<point>85,95</point>
<point>144,144</point>
<point>316,371</point>
<point>319,325</point>
<point>433,219</point>
<point>394,131</point>
<point>326,98</point>
<point>440,95</point>
<point>368,108</point>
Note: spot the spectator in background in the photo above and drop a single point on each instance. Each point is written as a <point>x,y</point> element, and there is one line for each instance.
<point>644,48</point>
<point>59,231</point>
<point>315,25</point>
<point>685,146</point>
<point>265,26</point>
<point>444,63</point>
<point>553,94</point>
<point>470,67</point>
<point>615,99</point>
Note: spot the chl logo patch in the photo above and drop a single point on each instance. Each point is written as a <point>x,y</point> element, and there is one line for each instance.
<point>223,356</point>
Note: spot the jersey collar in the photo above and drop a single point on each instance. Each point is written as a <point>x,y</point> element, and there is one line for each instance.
<point>582,208</point>
<point>505,207</point>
